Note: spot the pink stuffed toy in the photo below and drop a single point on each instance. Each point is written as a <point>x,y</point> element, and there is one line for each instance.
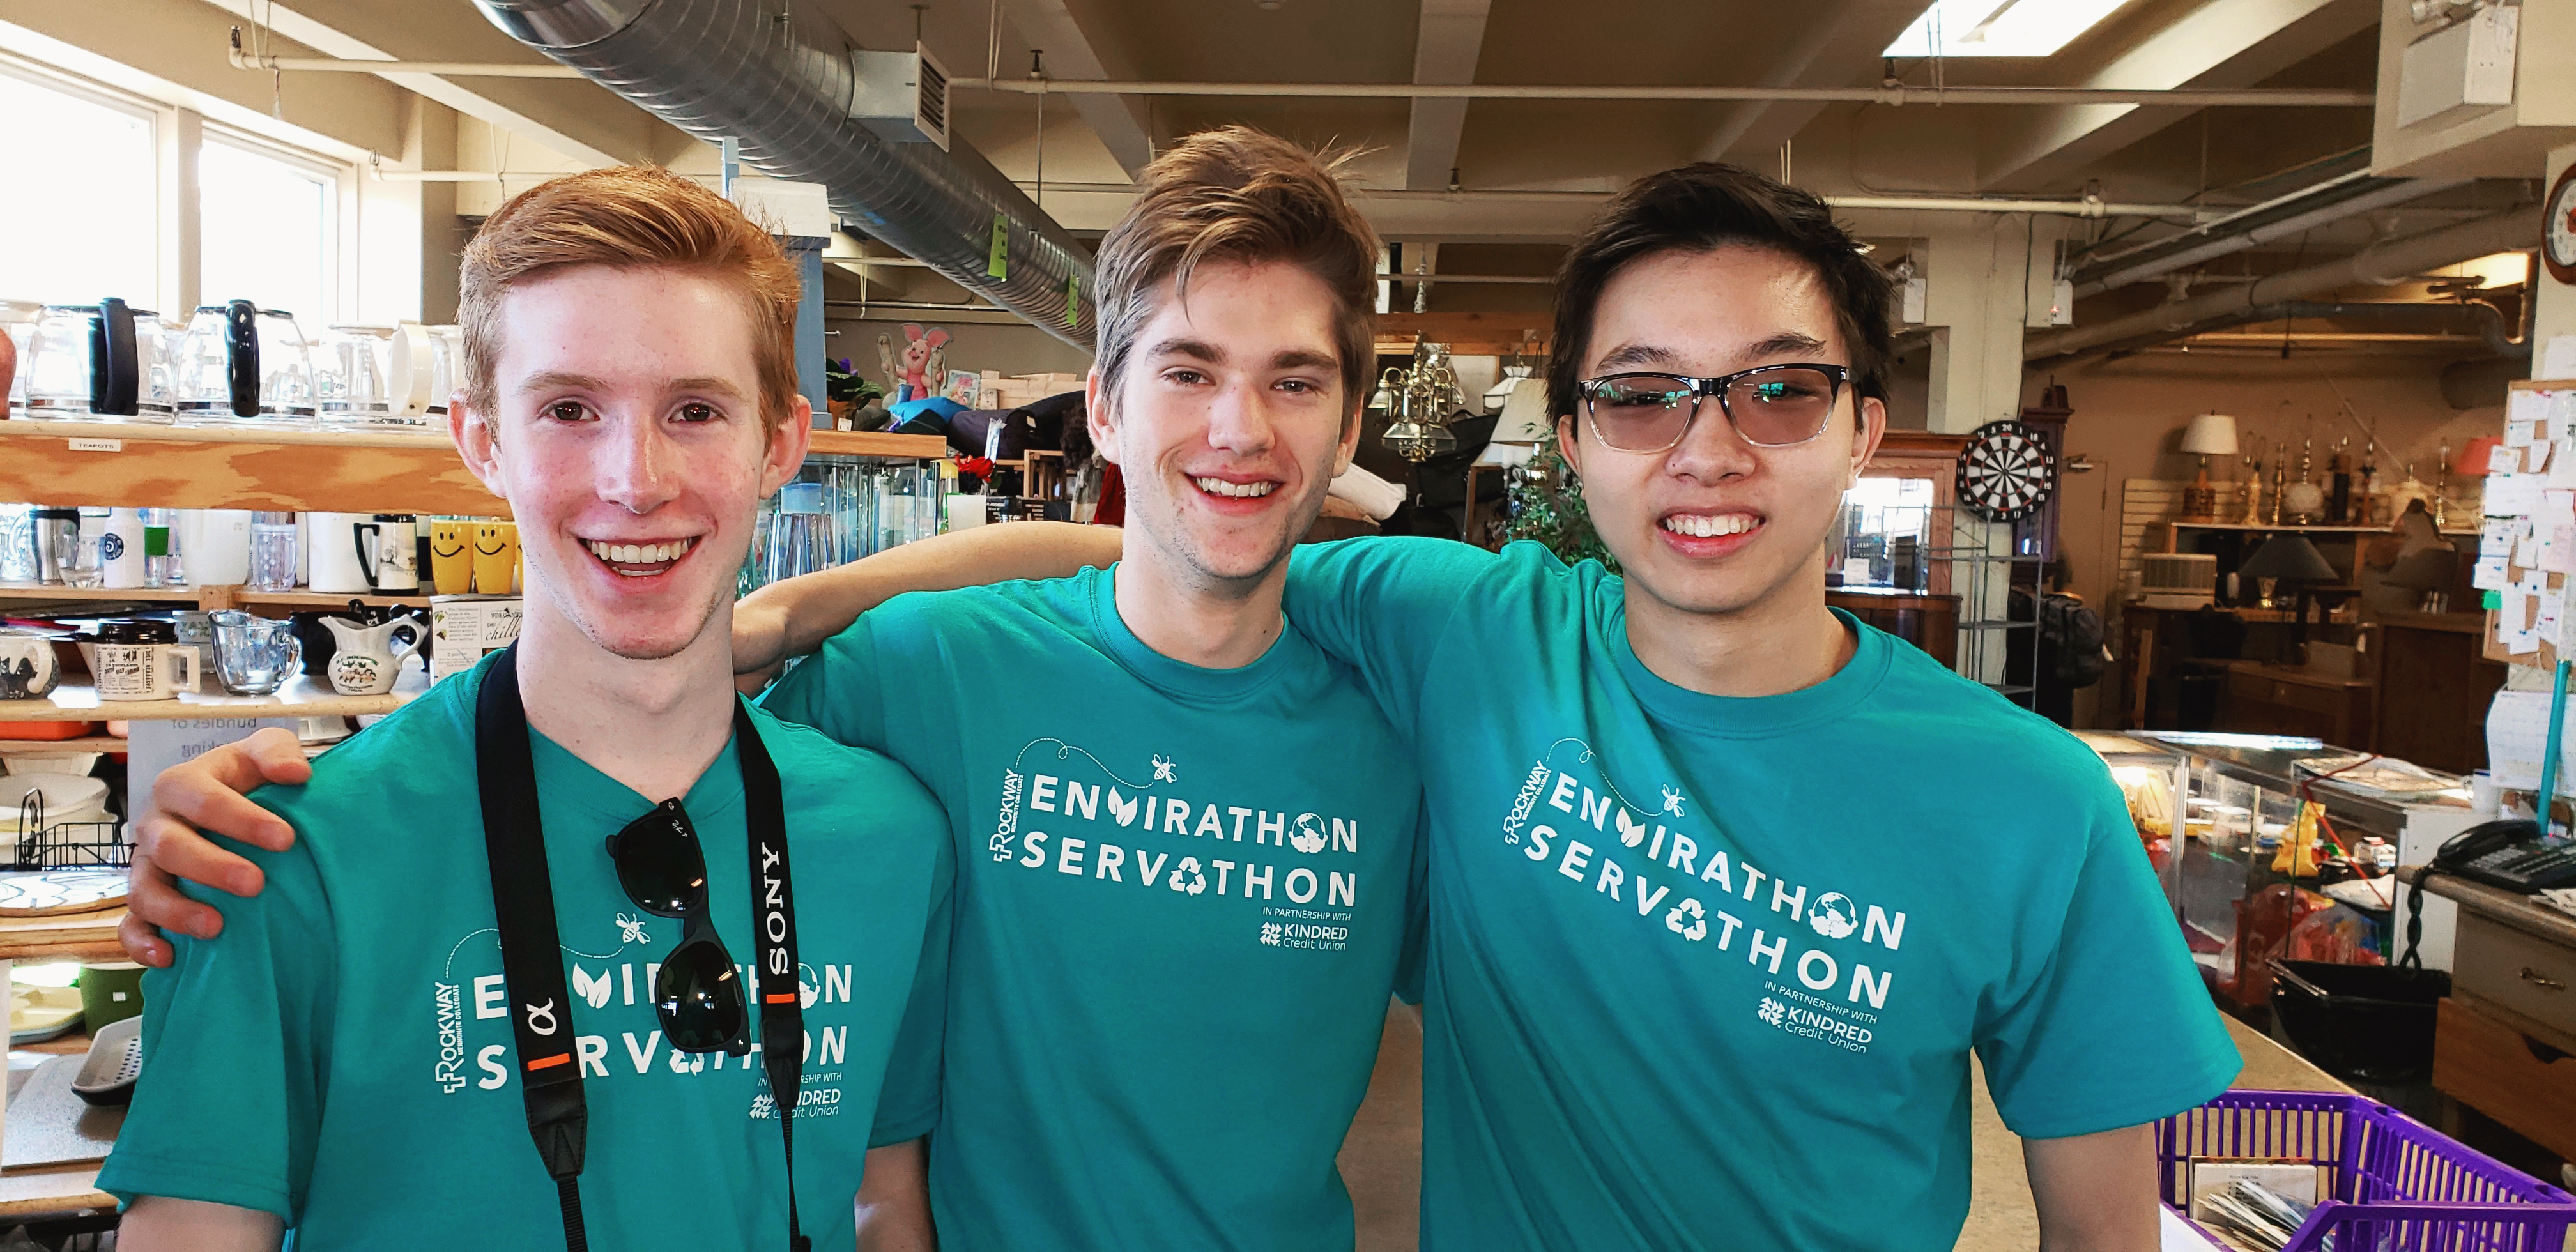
<point>924,355</point>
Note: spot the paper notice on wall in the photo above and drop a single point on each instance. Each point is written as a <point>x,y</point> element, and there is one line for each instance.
<point>2503,460</point>
<point>2526,546</point>
<point>2512,495</point>
<point>2536,457</point>
<point>2519,432</point>
<point>154,746</point>
<point>2525,406</point>
<point>2518,737</point>
<point>2562,466</point>
<point>2491,573</point>
<point>2558,357</point>
<point>2548,608</point>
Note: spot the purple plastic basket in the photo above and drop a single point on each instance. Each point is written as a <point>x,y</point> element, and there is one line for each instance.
<point>2399,1185</point>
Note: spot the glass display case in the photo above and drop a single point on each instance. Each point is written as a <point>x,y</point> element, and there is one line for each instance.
<point>2242,833</point>
<point>2154,779</point>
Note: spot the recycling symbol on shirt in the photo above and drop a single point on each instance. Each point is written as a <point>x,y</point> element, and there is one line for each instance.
<point>1198,880</point>
<point>1698,927</point>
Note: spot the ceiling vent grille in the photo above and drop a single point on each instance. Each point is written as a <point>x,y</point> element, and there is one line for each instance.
<point>901,95</point>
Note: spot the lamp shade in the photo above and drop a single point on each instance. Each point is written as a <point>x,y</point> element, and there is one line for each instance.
<point>2289,558</point>
<point>2211,434</point>
<point>1524,416</point>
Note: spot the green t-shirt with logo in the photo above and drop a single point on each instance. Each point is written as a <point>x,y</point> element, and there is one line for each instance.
<point>1183,896</point>
<point>341,1054</point>
<point>1707,972</point>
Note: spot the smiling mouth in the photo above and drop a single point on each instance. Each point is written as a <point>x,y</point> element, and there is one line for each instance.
<point>640,560</point>
<point>1710,525</point>
<point>1235,490</point>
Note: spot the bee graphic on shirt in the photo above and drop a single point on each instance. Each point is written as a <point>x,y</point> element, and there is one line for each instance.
<point>1672,802</point>
<point>1163,770</point>
<point>631,930</point>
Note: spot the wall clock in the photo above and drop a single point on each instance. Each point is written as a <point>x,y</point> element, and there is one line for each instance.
<point>2558,228</point>
<point>2006,472</point>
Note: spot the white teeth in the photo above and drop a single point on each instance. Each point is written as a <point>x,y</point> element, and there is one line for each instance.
<point>1705,526</point>
<point>1220,487</point>
<point>639,554</point>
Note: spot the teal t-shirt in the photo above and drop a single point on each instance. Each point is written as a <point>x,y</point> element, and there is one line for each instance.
<point>1706,972</point>
<point>1183,897</point>
<point>341,1054</point>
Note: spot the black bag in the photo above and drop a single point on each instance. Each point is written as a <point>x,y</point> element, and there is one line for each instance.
<point>2072,634</point>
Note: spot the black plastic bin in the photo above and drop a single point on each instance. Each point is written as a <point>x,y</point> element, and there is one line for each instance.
<point>2360,1023</point>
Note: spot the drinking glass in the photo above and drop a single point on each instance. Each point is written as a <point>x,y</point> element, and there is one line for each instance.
<point>77,557</point>
<point>272,551</point>
<point>254,656</point>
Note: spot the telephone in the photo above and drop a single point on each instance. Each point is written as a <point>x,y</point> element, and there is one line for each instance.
<point>2511,854</point>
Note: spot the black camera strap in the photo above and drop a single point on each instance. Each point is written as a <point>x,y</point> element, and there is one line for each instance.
<point>531,947</point>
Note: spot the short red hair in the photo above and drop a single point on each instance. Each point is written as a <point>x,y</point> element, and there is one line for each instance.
<point>630,217</point>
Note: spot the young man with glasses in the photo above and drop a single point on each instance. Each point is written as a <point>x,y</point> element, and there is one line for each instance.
<point>1727,887</point>
<point>500,996</point>
<point>1188,844</point>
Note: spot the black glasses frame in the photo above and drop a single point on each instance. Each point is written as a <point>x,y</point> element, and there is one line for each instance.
<point>667,830</point>
<point>1703,389</point>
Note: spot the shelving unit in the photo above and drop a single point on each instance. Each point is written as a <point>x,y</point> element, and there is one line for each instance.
<point>132,465</point>
<point>300,697</point>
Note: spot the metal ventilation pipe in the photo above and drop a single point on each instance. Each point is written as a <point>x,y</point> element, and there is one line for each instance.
<point>2379,265</point>
<point>726,69</point>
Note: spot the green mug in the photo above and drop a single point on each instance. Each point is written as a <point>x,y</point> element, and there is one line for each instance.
<point>110,991</point>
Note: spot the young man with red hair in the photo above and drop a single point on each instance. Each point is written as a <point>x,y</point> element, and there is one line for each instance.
<point>525,904</point>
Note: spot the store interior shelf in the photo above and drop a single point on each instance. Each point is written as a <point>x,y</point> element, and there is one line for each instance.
<point>207,597</point>
<point>205,467</point>
<point>301,697</point>
<point>2287,528</point>
<point>52,747</point>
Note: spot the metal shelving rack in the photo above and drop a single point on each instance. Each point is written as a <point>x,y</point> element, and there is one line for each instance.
<point>1983,579</point>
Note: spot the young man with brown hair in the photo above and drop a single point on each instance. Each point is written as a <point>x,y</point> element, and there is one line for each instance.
<point>524,906</point>
<point>1728,887</point>
<point>1189,870</point>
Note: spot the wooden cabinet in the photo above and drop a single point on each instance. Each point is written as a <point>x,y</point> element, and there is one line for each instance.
<point>2434,688</point>
<point>2274,700</point>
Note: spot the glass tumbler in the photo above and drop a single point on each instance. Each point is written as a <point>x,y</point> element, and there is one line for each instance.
<point>272,551</point>
<point>76,554</point>
<point>286,390</point>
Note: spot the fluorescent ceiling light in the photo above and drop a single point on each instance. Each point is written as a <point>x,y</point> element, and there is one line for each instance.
<point>1999,28</point>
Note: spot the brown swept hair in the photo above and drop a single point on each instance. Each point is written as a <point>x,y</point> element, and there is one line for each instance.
<point>630,217</point>
<point>1239,194</point>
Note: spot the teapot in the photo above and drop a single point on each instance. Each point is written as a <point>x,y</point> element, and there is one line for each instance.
<point>366,659</point>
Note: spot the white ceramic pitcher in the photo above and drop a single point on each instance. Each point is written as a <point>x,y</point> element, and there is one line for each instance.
<point>368,658</point>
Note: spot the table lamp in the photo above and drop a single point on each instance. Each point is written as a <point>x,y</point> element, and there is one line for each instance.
<point>2210,434</point>
<point>2289,560</point>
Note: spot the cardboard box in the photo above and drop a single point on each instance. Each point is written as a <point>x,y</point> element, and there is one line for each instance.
<point>464,629</point>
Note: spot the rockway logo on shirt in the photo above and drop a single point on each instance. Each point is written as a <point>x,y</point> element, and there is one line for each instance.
<point>1119,832</point>
<point>1690,887</point>
<point>470,1011</point>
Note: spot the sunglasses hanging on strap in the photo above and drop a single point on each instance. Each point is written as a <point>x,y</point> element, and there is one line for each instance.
<point>697,994</point>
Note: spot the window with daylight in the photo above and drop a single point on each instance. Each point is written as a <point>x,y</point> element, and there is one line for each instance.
<point>265,232</point>
<point>83,195</point>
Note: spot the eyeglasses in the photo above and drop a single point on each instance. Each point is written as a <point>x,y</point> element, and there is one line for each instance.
<point>1770,406</point>
<point>698,991</point>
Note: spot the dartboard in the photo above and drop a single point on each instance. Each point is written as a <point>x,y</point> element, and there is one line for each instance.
<point>2006,472</point>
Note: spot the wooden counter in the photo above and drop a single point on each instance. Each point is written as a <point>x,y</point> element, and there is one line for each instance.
<point>2506,1042</point>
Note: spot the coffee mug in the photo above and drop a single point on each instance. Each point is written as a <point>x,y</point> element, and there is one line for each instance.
<point>451,556</point>
<point>143,671</point>
<point>334,543</point>
<point>496,558</point>
<point>27,670</point>
<point>387,548</point>
<point>254,656</point>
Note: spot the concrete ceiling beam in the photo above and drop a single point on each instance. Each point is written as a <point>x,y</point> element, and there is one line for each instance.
<point>1452,36</point>
<point>1075,49</point>
<point>2230,44</point>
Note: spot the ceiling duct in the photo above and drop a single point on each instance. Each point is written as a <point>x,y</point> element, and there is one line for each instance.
<point>2283,218</point>
<point>730,69</point>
